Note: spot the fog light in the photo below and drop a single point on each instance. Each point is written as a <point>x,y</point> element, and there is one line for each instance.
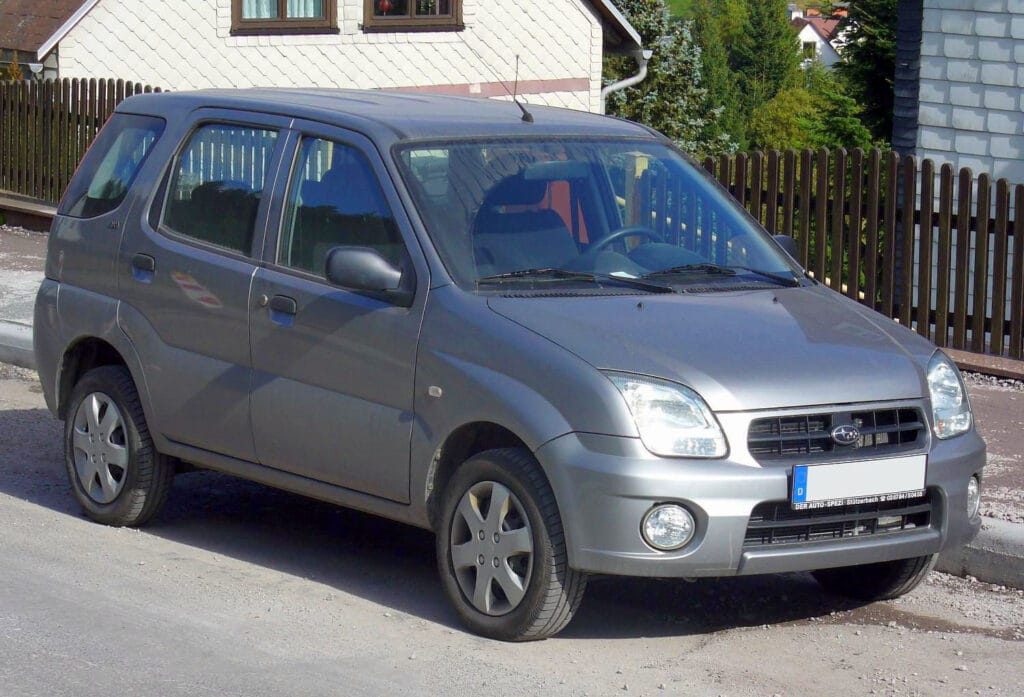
<point>973,497</point>
<point>667,527</point>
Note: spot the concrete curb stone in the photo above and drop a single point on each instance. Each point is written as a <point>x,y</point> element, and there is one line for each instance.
<point>16,344</point>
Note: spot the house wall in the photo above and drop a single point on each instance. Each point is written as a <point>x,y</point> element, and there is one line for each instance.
<point>187,44</point>
<point>972,86</point>
<point>826,54</point>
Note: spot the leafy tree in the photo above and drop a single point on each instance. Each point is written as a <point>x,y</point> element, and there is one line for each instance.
<point>782,122</point>
<point>838,121</point>
<point>671,98</point>
<point>767,56</point>
<point>869,61</point>
<point>718,24</point>
<point>13,70</point>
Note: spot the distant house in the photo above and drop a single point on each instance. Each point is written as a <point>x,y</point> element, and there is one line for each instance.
<point>959,87</point>
<point>465,47</point>
<point>820,38</point>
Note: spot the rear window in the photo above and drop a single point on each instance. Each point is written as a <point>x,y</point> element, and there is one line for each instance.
<point>108,170</point>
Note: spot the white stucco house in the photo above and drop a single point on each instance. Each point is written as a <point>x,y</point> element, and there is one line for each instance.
<point>467,47</point>
<point>960,84</point>
<point>819,38</point>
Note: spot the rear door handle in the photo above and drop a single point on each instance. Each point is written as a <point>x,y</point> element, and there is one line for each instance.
<point>143,268</point>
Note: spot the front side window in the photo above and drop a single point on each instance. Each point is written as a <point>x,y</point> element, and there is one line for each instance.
<point>334,200</point>
<point>283,16</point>
<point>412,15</point>
<point>215,190</point>
<point>109,169</point>
<point>569,211</point>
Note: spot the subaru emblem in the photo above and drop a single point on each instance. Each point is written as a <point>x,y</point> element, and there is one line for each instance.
<point>847,434</point>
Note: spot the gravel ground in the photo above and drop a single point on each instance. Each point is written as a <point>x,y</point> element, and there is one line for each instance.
<point>980,380</point>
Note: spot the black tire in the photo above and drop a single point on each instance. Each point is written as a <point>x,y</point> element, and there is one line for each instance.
<point>142,485</point>
<point>882,581</point>
<point>552,591</point>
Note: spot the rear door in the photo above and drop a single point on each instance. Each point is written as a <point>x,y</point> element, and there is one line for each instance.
<point>333,370</point>
<point>186,276</point>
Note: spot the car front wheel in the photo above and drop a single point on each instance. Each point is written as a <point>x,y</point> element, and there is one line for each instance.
<point>501,549</point>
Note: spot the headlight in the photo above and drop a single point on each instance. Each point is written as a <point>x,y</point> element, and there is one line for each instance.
<point>951,411</point>
<point>673,420</point>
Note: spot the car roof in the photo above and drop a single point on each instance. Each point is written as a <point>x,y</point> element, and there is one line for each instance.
<point>392,115</point>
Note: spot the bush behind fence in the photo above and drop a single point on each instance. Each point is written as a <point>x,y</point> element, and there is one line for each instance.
<point>935,250</point>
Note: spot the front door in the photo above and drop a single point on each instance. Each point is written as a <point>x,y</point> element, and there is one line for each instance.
<point>333,370</point>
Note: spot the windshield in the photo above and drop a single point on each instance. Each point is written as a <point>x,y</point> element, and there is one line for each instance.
<point>512,211</point>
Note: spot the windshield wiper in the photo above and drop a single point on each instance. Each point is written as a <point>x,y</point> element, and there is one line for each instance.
<point>553,274</point>
<point>722,269</point>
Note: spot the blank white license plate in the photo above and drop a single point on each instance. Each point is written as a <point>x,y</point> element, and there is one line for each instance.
<point>850,483</point>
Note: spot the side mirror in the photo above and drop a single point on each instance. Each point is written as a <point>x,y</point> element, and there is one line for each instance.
<point>361,268</point>
<point>788,244</point>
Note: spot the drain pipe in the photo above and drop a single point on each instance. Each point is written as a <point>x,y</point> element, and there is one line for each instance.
<point>641,56</point>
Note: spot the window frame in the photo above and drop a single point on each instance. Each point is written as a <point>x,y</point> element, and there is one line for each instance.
<point>410,22</point>
<point>328,24</point>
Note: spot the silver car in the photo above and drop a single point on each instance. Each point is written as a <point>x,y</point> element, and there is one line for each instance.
<point>556,343</point>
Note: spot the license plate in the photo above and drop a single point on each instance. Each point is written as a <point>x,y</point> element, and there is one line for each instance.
<point>850,483</point>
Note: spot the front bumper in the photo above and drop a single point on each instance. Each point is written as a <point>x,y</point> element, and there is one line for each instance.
<point>605,484</point>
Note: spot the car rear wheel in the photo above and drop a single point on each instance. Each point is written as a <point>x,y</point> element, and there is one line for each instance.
<point>881,581</point>
<point>501,549</point>
<point>116,474</point>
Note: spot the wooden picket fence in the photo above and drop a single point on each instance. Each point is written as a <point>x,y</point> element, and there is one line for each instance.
<point>46,127</point>
<point>936,250</point>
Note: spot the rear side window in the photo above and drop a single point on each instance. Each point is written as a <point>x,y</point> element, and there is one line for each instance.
<point>109,169</point>
<point>218,179</point>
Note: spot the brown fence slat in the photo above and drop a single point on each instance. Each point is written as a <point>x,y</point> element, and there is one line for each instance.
<point>1017,276</point>
<point>1000,246</point>
<point>981,247</point>
<point>806,182</point>
<point>821,214</point>
<point>771,198</point>
<point>788,191</point>
<point>942,266</point>
<point>906,272</point>
<point>756,184</point>
<point>924,249</point>
<point>872,216</point>
<point>838,214</point>
<point>854,237</point>
<point>965,194</point>
<point>739,180</point>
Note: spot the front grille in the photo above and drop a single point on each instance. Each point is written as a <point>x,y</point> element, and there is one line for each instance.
<point>775,522</point>
<point>882,432</point>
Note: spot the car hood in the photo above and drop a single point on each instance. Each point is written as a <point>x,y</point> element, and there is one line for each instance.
<point>762,349</point>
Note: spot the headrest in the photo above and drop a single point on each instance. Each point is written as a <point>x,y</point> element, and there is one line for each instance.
<point>516,191</point>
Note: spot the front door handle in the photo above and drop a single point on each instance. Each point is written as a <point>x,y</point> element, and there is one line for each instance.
<point>284,305</point>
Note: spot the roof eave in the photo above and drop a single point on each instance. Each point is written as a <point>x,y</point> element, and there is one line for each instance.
<point>617,24</point>
<point>62,31</point>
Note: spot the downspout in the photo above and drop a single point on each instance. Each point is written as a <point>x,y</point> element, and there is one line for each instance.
<point>641,56</point>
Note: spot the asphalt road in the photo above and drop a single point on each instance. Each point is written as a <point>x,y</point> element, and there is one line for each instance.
<point>242,590</point>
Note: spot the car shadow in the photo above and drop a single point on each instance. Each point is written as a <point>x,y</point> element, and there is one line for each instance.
<point>389,563</point>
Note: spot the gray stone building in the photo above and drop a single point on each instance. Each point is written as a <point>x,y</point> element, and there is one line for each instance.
<point>960,84</point>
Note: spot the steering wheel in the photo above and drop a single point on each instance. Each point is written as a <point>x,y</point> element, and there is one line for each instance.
<point>622,232</point>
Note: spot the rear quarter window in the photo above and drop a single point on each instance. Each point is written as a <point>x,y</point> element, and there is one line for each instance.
<point>108,170</point>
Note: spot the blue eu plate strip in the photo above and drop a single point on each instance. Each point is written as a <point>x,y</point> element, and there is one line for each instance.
<point>800,484</point>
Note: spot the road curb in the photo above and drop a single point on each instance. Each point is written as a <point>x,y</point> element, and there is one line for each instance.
<point>16,344</point>
<point>995,556</point>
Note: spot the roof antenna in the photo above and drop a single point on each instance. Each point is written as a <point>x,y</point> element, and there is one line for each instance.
<point>527,116</point>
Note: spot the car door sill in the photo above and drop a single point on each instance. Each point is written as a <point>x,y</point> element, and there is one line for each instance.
<point>297,484</point>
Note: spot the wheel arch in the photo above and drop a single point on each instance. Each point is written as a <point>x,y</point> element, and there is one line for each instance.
<point>462,443</point>
<point>81,356</point>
